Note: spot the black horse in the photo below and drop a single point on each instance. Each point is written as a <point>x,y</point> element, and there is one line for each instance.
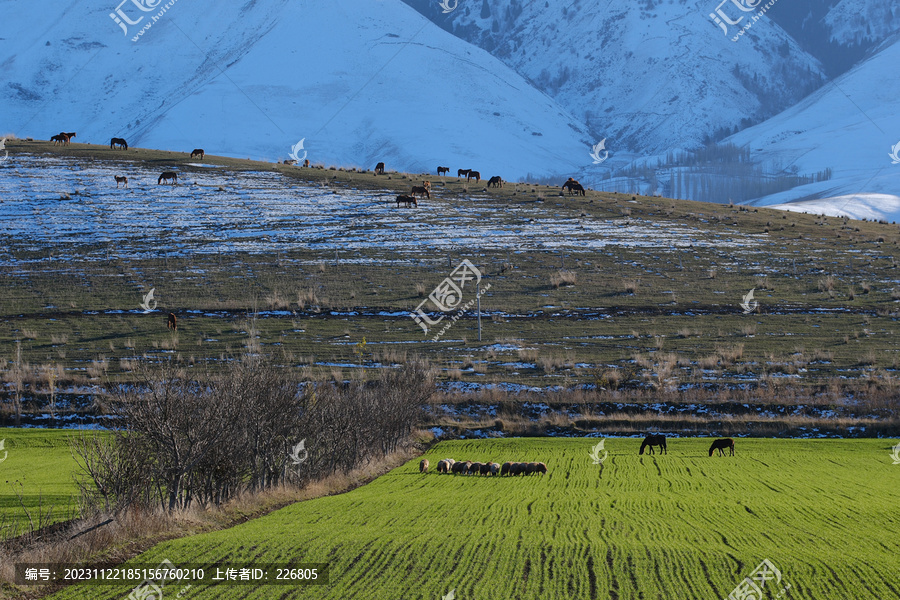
<point>720,445</point>
<point>654,440</point>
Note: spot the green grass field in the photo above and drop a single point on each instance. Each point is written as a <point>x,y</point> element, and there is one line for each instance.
<point>683,525</point>
<point>38,468</point>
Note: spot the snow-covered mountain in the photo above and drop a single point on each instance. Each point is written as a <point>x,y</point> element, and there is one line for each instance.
<point>648,76</point>
<point>519,88</point>
<point>358,81</point>
<point>861,21</point>
<point>851,126</point>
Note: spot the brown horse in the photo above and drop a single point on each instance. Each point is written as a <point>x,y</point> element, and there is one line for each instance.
<point>379,169</point>
<point>59,139</point>
<point>423,465</point>
<point>198,151</point>
<point>576,189</point>
<point>118,142</point>
<point>68,136</point>
<point>473,175</point>
<point>421,190</point>
<point>495,181</point>
<point>408,200</point>
<point>172,322</point>
<point>121,179</point>
<point>442,170</point>
<point>573,186</point>
<point>306,163</point>
<point>654,440</point>
<point>461,172</point>
<point>167,176</point>
<point>720,445</point>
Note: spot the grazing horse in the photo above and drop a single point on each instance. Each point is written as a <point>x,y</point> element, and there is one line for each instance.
<point>461,172</point>
<point>379,169</point>
<point>118,142</point>
<point>442,170</point>
<point>654,440</point>
<point>167,176</point>
<point>408,200</point>
<point>576,188</point>
<point>473,175</point>
<point>504,470</point>
<point>121,179</point>
<point>198,151</point>
<point>720,445</point>
<point>495,181</point>
<point>573,186</point>
<point>443,466</point>
<point>423,465</point>
<point>59,139</point>
<point>172,322</point>
<point>421,190</point>
<point>306,163</point>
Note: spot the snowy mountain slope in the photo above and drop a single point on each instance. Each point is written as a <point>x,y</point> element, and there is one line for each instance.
<point>860,21</point>
<point>859,206</point>
<point>648,76</point>
<point>850,126</point>
<point>358,81</point>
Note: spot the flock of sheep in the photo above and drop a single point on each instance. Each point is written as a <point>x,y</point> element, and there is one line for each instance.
<point>467,467</point>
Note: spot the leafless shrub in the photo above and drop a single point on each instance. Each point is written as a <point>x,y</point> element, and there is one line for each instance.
<point>307,298</point>
<point>561,278</point>
<point>186,440</point>
<point>630,286</point>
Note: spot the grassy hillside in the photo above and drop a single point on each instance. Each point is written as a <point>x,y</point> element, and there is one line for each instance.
<point>608,291</point>
<point>681,525</point>
<point>36,479</point>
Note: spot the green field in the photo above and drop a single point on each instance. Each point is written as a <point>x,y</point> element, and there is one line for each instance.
<point>682,525</point>
<point>37,477</point>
